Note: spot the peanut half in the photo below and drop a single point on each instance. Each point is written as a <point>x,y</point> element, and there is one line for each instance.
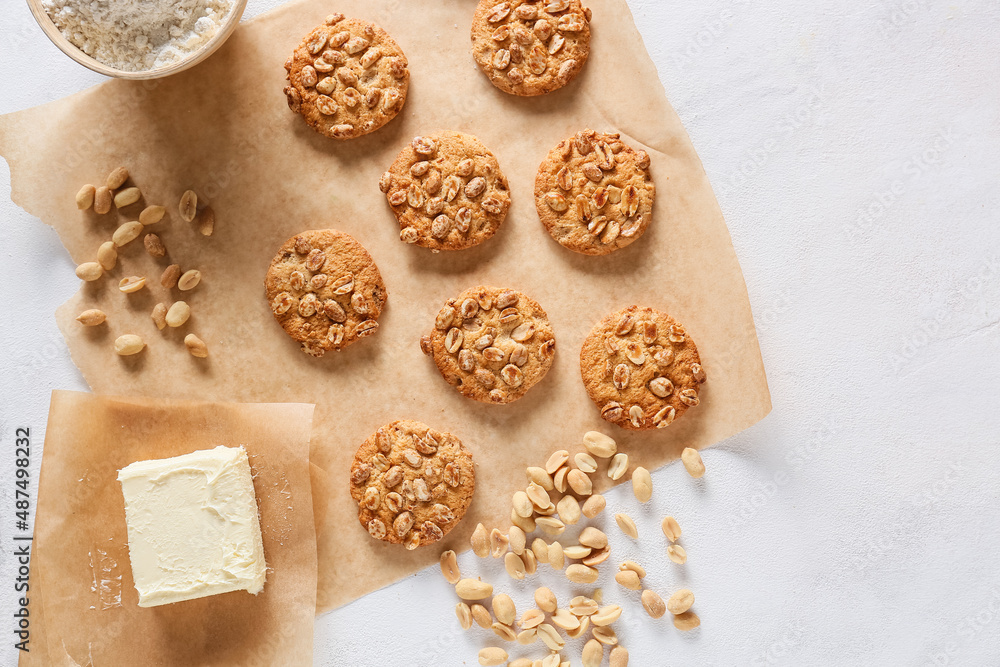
<point>642,484</point>
<point>89,271</point>
<point>627,525</point>
<point>128,345</point>
<point>473,589</point>
<point>594,506</point>
<point>687,621</point>
<point>619,657</point>
<point>195,346</point>
<point>449,567</point>
<point>91,318</point>
<point>85,197</point>
<point>680,601</point>
<point>188,206</point>
<point>671,529</point>
<point>692,461</point>
<point>653,603</point>
<point>600,445</point>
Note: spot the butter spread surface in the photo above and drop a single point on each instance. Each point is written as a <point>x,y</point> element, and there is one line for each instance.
<point>193,528</point>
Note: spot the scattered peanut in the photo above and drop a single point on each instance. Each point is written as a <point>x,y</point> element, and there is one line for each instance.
<point>619,657</point>
<point>159,316</point>
<point>89,271</point>
<point>568,509</point>
<point>530,563</point>
<point>539,477</point>
<point>152,215</point>
<point>525,637</point>
<point>154,245</point>
<point>627,525</point>
<point>586,463</point>
<point>464,615</point>
<point>514,566</point>
<point>551,525</point>
<point>594,506</point>
<point>189,280</point>
<point>85,197</point>
<point>480,541</point>
<point>671,529</point>
<point>628,579</point>
<point>188,206</point>
<point>131,284</point>
<point>680,601</point>
<point>196,346</point>
<point>642,484</point>
<point>127,197</point>
<point>516,539</point>
<point>677,554</point>
<point>687,621</point>
<point>653,603</point>
<point>580,482</point>
<point>557,558</point>
<point>206,221</point>
<point>559,479</point>
<point>129,344</point>
<point>498,543</point>
<point>556,461</point>
<point>449,567</point>
<point>107,255</point>
<point>618,467</point>
<point>564,619</point>
<point>481,616</point>
<point>533,618</point>
<point>634,567</point>
<point>170,275</point>
<point>522,504</point>
<point>527,524</point>
<point>541,550</point>
<point>593,538</point>
<point>606,615</point>
<point>116,178</point>
<point>473,589</point>
<point>91,318</point>
<point>102,200</point>
<point>692,461</point>
<point>492,655</point>
<point>504,632</point>
<point>127,233</point>
<point>178,314</point>
<point>504,609</point>
<point>581,574</point>
<point>576,552</point>
<point>600,445</point>
<point>550,637</point>
<point>593,653</point>
<point>545,599</point>
<point>606,635</point>
<point>597,557</point>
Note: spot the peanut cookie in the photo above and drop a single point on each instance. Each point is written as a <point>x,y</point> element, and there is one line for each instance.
<point>412,483</point>
<point>492,344</point>
<point>325,290</point>
<point>447,192</point>
<point>641,369</point>
<point>531,47</point>
<point>594,193</point>
<point>348,78</point>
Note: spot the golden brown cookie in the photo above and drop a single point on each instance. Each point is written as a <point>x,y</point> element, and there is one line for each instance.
<point>492,344</point>
<point>531,47</point>
<point>412,484</point>
<point>325,290</point>
<point>447,192</point>
<point>594,193</point>
<point>641,369</point>
<point>348,78</point>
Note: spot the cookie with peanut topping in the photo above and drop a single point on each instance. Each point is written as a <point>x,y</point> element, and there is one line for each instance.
<point>492,344</point>
<point>447,192</point>
<point>325,290</point>
<point>594,194</point>
<point>413,484</point>
<point>641,369</point>
<point>348,78</point>
<point>531,47</point>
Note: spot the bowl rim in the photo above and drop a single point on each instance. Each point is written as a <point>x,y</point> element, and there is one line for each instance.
<point>75,53</point>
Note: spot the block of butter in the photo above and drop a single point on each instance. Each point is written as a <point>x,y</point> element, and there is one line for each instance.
<point>193,528</point>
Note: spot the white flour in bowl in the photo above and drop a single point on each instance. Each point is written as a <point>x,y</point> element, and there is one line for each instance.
<point>136,35</point>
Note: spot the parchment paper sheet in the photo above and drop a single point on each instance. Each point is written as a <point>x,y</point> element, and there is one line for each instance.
<point>223,129</point>
<point>81,556</point>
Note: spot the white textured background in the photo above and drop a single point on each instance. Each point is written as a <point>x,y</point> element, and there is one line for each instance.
<point>855,150</point>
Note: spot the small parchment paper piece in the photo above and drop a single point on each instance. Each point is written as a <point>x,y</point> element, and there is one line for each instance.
<point>81,576</point>
<point>223,129</point>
